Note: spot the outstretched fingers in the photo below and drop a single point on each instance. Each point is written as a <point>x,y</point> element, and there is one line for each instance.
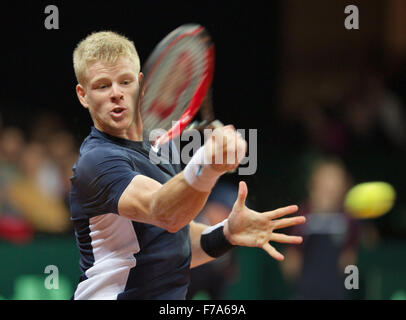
<point>275,214</point>
<point>283,238</point>
<point>273,252</point>
<point>288,222</point>
<point>285,222</point>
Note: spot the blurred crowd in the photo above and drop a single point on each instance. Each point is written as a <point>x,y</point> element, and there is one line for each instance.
<point>362,123</point>
<point>348,132</point>
<point>315,269</point>
<point>35,168</point>
<point>366,116</point>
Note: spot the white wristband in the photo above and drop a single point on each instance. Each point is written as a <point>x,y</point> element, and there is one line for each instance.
<point>198,173</point>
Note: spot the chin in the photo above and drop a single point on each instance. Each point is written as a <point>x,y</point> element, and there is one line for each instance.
<point>122,125</point>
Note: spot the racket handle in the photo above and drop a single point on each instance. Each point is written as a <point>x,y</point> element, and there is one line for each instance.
<point>205,125</point>
<point>216,124</point>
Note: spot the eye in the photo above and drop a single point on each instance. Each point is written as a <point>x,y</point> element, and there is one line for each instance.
<point>102,86</point>
<point>126,82</point>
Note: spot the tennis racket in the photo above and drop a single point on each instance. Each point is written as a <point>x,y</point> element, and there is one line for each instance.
<point>207,116</point>
<point>178,75</point>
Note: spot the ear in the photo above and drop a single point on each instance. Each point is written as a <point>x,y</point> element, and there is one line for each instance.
<point>81,93</point>
<point>140,80</point>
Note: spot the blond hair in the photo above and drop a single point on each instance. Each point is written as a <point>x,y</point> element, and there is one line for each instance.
<point>106,46</point>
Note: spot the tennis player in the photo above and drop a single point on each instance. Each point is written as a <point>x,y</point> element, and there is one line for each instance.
<point>133,219</point>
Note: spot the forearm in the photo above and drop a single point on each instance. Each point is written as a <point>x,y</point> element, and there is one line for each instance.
<point>198,255</point>
<point>176,203</point>
<point>183,197</point>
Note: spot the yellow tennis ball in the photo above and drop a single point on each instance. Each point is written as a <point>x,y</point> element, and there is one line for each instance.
<point>370,200</point>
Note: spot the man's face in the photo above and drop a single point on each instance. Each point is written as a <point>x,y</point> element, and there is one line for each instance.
<point>111,95</point>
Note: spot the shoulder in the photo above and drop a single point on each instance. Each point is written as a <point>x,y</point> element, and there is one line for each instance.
<point>100,160</point>
<point>101,153</point>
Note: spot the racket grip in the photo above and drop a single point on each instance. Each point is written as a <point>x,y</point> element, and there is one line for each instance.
<point>205,125</point>
<point>212,125</point>
<point>216,124</point>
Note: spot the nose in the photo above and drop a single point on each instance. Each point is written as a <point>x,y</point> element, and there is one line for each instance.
<point>116,94</point>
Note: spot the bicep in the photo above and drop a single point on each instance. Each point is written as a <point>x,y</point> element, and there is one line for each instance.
<point>136,199</point>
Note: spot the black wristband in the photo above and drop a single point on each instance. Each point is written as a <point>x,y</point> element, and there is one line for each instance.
<point>213,241</point>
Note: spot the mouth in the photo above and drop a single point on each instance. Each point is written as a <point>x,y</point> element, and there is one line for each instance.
<point>117,112</point>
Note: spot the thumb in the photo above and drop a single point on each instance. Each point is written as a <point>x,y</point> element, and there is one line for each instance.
<point>242,194</point>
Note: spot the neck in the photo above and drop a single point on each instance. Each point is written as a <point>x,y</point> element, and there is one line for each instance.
<point>133,133</point>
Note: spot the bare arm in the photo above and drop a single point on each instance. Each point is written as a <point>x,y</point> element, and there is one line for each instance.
<point>170,206</point>
<point>198,255</point>
<point>176,203</point>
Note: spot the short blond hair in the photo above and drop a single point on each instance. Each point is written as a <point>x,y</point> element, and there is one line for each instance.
<point>106,46</point>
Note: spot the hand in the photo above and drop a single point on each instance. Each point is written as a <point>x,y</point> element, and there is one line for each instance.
<point>225,149</point>
<point>246,227</point>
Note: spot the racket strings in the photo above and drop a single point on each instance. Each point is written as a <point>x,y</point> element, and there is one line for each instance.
<point>187,59</point>
<point>169,91</point>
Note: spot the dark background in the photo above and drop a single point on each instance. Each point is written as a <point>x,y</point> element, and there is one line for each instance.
<point>38,73</point>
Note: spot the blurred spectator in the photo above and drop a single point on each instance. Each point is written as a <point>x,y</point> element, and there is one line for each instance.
<point>212,279</point>
<point>62,152</point>
<point>11,145</point>
<point>374,116</point>
<point>330,237</point>
<point>34,179</point>
<point>324,128</point>
<point>368,118</point>
<point>44,126</point>
<point>13,226</point>
<point>31,194</point>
